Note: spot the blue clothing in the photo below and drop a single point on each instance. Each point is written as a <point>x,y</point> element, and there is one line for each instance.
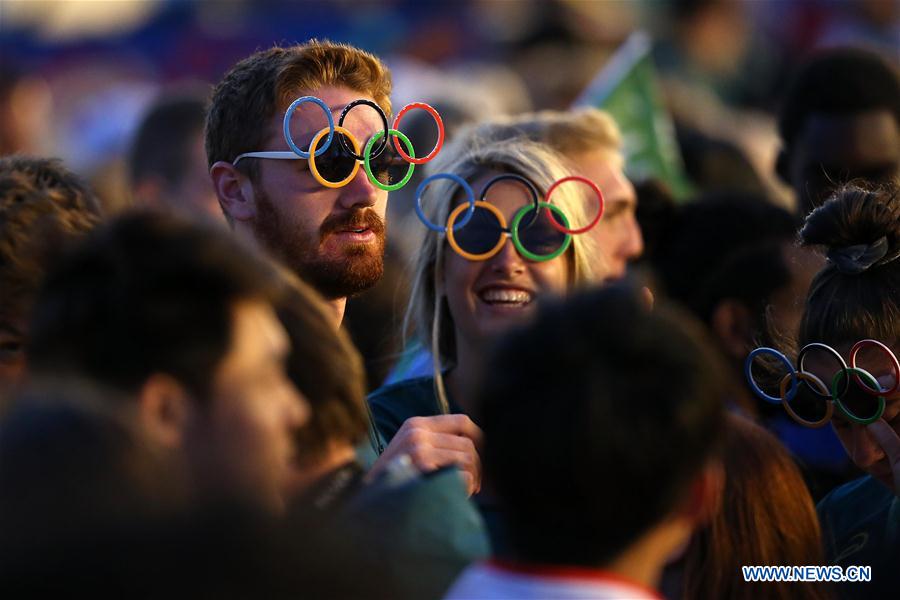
<point>861,526</point>
<point>817,447</point>
<point>393,404</point>
<point>415,362</point>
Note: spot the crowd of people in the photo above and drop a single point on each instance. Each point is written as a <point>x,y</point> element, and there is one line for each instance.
<point>185,411</point>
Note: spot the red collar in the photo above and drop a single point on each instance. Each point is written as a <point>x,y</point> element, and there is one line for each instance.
<point>570,572</point>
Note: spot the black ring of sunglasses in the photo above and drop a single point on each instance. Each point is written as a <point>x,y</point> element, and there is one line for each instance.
<point>535,195</point>
<point>382,144</point>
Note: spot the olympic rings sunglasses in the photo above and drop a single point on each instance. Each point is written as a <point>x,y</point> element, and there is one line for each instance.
<point>334,165</point>
<point>539,230</point>
<point>853,390</point>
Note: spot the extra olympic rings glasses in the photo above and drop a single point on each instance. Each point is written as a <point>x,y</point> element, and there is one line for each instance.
<point>811,402</point>
<point>482,231</point>
<point>335,165</point>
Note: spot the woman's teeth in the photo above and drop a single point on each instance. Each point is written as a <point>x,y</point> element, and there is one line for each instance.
<point>497,296</point>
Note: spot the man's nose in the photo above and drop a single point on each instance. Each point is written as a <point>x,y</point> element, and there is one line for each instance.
<point>359,193</point>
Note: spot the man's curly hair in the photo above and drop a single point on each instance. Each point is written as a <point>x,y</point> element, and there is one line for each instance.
<point>43,208</point>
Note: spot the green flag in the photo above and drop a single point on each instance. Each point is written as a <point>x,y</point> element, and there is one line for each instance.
<point>627,89</point>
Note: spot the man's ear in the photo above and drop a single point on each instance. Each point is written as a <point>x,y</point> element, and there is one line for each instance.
<point>733,326</point>
<point>164,407</point>
<point>235,191</point>
<point>783,165</point>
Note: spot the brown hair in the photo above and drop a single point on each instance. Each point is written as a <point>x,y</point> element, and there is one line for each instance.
<point>767,517</point>
<point>326,368</point>
<point>857,294</point>
<point>264,84</point>
<point>43,207</point>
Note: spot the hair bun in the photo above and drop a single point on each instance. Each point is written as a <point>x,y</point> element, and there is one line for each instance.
<point>858,227</point>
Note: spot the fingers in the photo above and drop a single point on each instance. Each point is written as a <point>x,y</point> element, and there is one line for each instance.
<point>414,437</point>
<point>472,485</point>
<point>435,442</point>
<point>460,425</point>
<point>429,459</point>
<point>887,438</point>
<point>430,450</point>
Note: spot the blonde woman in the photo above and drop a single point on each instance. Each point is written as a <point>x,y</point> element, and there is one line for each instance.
<point>591,143</point>
<point>459,305</point>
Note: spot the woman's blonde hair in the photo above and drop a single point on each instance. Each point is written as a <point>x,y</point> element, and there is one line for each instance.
<point>474,152</point>
<point>568,132</point>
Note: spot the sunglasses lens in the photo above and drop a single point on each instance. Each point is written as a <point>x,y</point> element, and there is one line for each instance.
<point>388,167</point>
<point>335,164</point>
<point>860,404</point>
<point>874,360</point>
<point>480,234</point>
<point>537,235</point>
<point>808,405</point>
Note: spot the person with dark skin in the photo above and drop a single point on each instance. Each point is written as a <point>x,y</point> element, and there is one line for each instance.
<point>839,121</point>
<point>733,261</point>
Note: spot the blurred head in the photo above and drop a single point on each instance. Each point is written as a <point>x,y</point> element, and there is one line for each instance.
<point>43,208</point>
<point>25,110</point>
<point>850,300</point>
<point>327,369</point>
<point>455,300</point>
<point>167,162</point>
<point>611,387</point>
<point>731,259</point>
<point>179,318</point>
<point>333,238</point>
<point>75,466</point>
<point>766,517</point>
<point>840,121</point>
<point>590,141</point>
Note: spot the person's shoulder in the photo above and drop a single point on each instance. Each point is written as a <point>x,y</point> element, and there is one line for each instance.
<point>858,509</point>
<point>860,523</point>
<point>865,492</point>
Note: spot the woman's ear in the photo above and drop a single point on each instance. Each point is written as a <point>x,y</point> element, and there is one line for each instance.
<point>234,190</point>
